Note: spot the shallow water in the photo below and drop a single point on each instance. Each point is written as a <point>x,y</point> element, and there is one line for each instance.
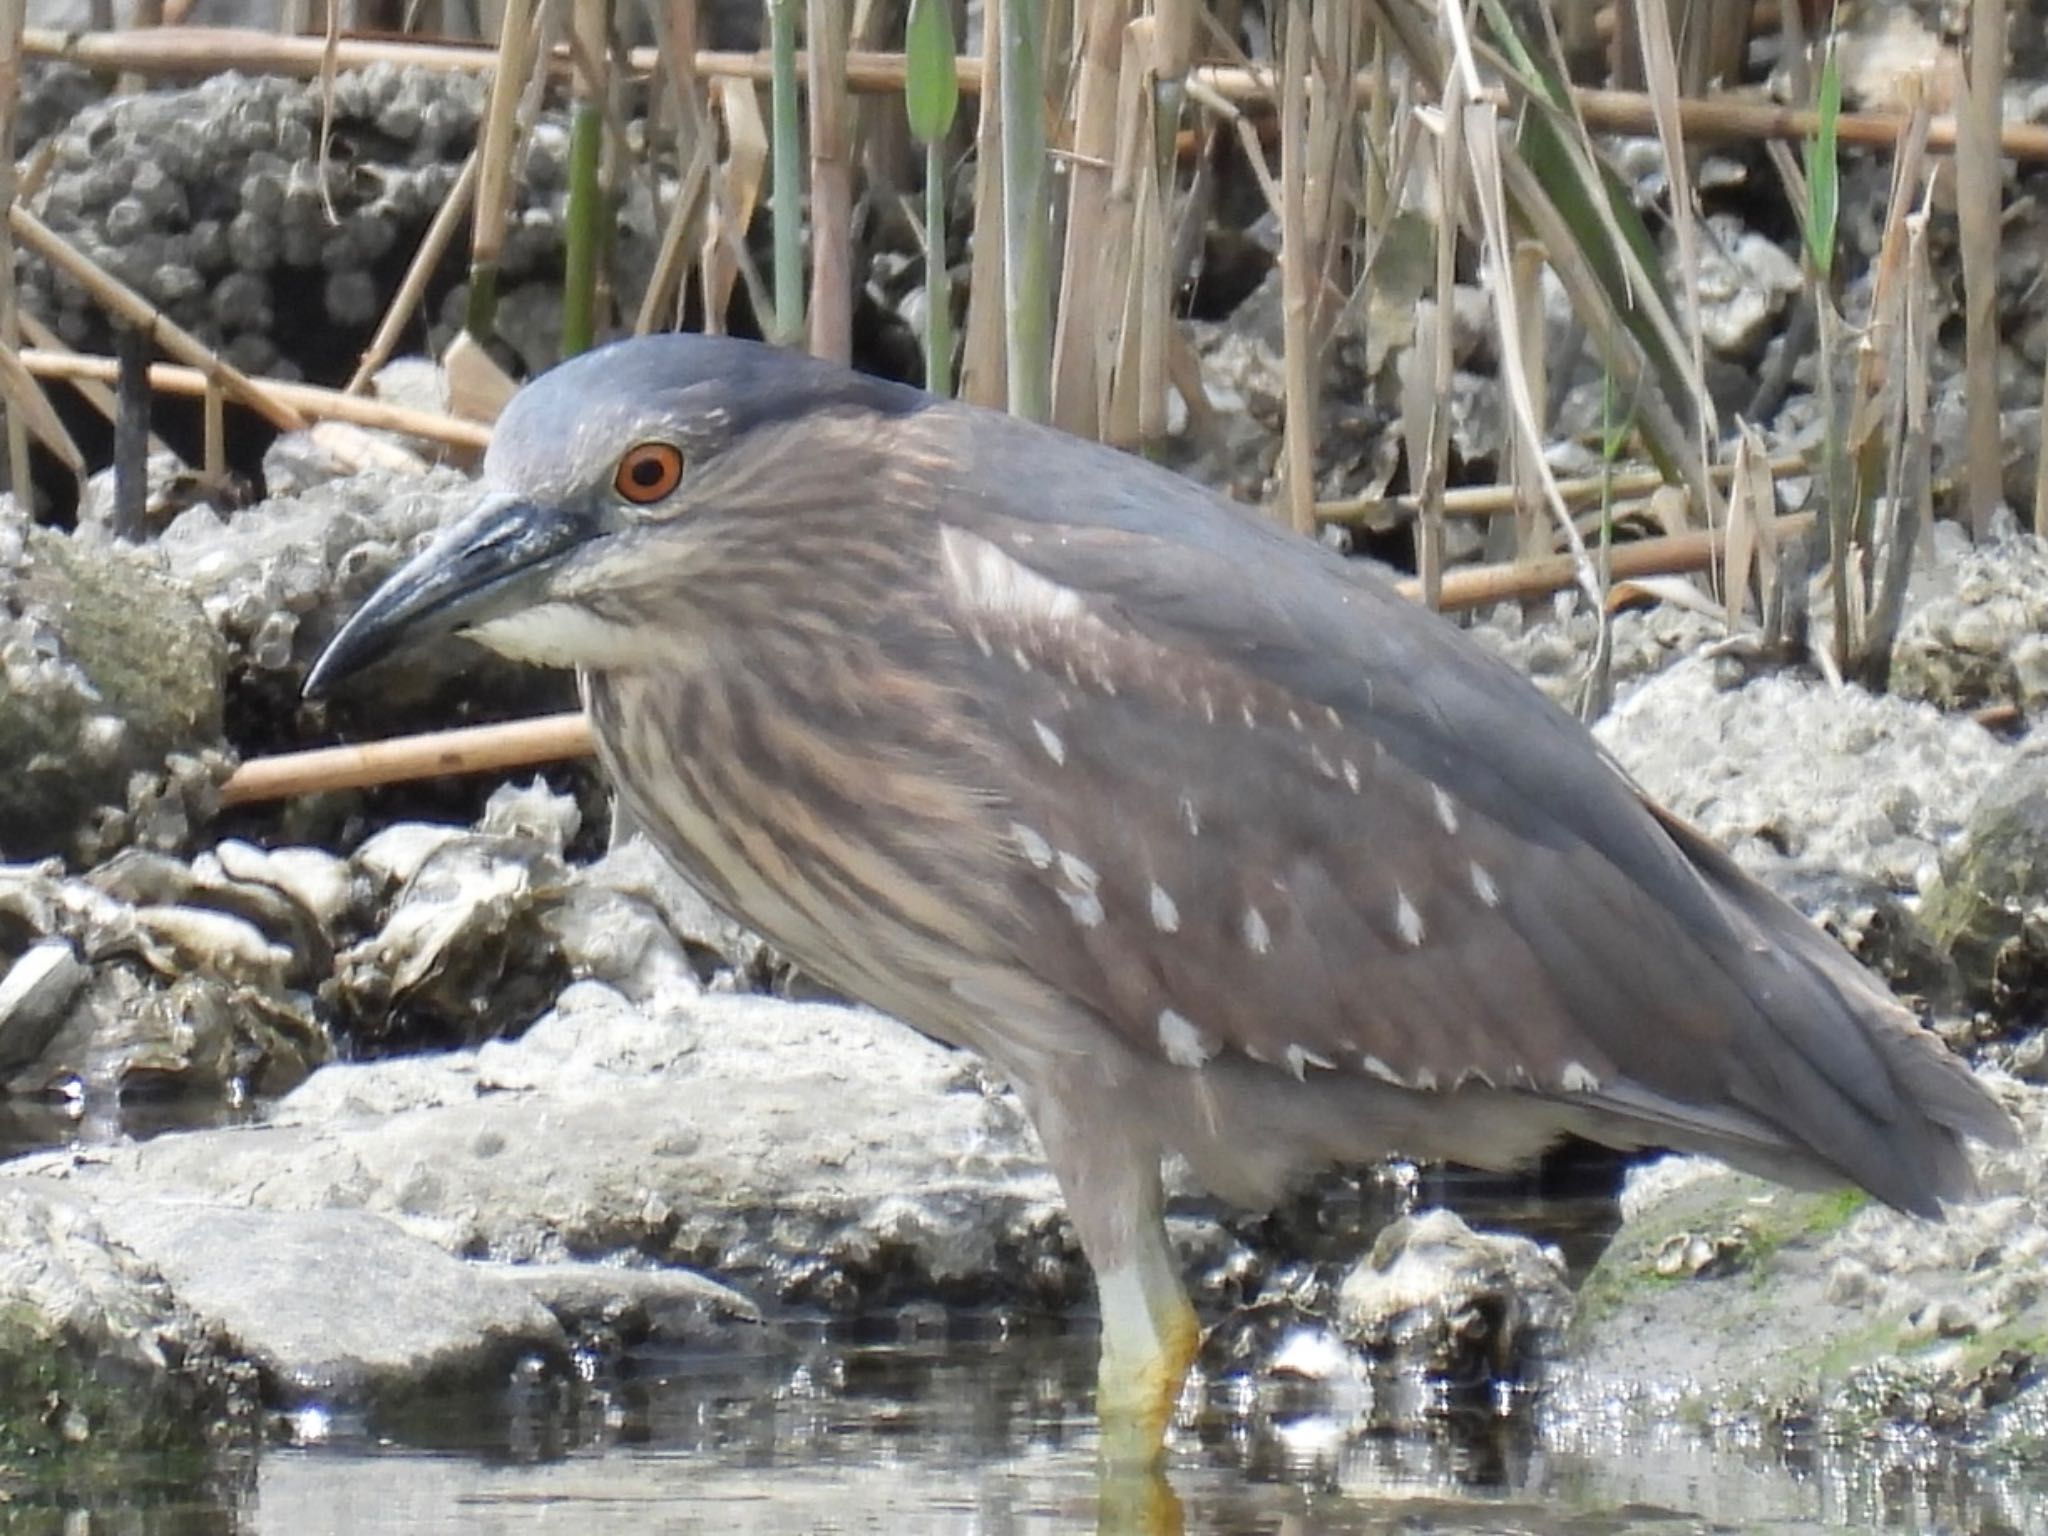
<point>993,1437</point>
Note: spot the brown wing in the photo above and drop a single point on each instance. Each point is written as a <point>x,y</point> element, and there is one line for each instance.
<point>1259,806</point>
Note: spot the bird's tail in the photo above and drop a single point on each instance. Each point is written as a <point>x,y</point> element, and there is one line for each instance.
<point>1845,1072</point>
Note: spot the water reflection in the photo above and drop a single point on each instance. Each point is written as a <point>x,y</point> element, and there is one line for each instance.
<point>992,1436</point>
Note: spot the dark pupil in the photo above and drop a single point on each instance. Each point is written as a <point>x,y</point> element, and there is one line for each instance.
<point>646,474</point>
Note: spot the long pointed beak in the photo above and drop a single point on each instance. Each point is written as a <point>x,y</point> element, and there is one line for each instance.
<point>487,563</point>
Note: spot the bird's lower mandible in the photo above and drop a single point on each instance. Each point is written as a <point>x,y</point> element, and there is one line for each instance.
<point>1213,844</point>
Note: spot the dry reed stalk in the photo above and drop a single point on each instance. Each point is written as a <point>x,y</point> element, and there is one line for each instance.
<point>128,306</point>
<point>1676,554</point>
<point>1489,501</point>
<point>21,395</point>
<point>680,233</point>
<point>306,402</point>
<point>1980,176</point>
<point>735,194</point>
<point>473,749</point>
<point>1660,72</point>
<point>831,147</point>
<point>1121,257</point>
<point>1084,285</point>
<point>1526,266</point>
<point>1297,268</point>
<point>983,374</point>
<point>1426,385</point>
<point>193,51</point>
<point>1027,236</point>
<point>518,47</point>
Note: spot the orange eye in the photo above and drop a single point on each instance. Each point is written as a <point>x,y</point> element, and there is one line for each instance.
<point>649,472</point>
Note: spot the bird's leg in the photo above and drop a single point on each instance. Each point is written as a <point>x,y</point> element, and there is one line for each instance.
<point>1109,1173</point>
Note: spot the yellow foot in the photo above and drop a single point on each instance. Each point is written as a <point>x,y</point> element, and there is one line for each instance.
<point>1135,1501</point>
<point>1143,1371</point>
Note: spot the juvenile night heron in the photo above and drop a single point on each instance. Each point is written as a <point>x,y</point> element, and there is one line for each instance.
<point>1211,842</point>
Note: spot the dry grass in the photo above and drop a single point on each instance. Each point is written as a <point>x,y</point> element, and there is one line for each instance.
<point>1095,136</point>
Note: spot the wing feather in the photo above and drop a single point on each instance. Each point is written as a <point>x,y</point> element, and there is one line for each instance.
<point>1382,848</point>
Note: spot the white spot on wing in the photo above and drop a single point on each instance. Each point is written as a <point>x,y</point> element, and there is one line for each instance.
<point>1258,938</point>
<point>1446,807</point>
<point>1049,739</point>
<point>1017,655</point>
<point>1189,817</point>
<point>1376,1068</point>
<point>1577,1077</point>
<point>1294,719</point>
<point>1083,901</point>
<point>1182,1042</point>
<point>1407,920</point>
<point>1351,775</point>
<point>1300,1059</point>
<point>1483,886</point>
<point>1165,914</point>
<point>987,581</point>
<point>1034,847</point>
<point>1250,719</point>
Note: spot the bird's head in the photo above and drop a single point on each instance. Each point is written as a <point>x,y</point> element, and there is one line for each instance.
<point>618,485</point>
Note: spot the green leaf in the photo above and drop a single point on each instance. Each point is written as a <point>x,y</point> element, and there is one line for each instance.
<point>1823,181</point>
<point>931,90</point>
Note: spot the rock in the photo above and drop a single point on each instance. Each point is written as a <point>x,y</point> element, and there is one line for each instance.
<point>334,1305</point>
<point>112,691</point>
<point>1820,1309</point>
<point>1823,792</point>
<point>1472,1311</point>
<point>461,954</point>
<point>817,1155</point>
<point>1975,632</point>
<point>1988,911</point>
<point>154,978</point>
<point>95,1350</point>
<point>675,1306</point>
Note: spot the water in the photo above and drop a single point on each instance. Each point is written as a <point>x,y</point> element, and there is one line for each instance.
<point>992,1436</point>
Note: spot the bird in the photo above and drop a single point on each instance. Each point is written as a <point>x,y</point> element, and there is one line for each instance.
<point>1211,843</point>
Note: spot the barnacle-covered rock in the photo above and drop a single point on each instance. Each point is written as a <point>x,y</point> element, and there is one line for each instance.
<point>1976,630</point>
<point>152,977</point>
<point>1475,1311</point>
<point>108,672</point>
<point>1989,910</point>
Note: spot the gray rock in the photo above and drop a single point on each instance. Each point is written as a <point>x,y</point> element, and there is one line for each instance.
<point>333,1305</point>
<point>110,680</point>
<point>1463,1306</point>
<point>1819,1306</point>
<point>676,1306</point>
<point>178,977</point>
<point>818,1155</point>
<point>1803,782</point>
<point>1988,911</point>
<point>1976,628</point>
<point>95,1350</point>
